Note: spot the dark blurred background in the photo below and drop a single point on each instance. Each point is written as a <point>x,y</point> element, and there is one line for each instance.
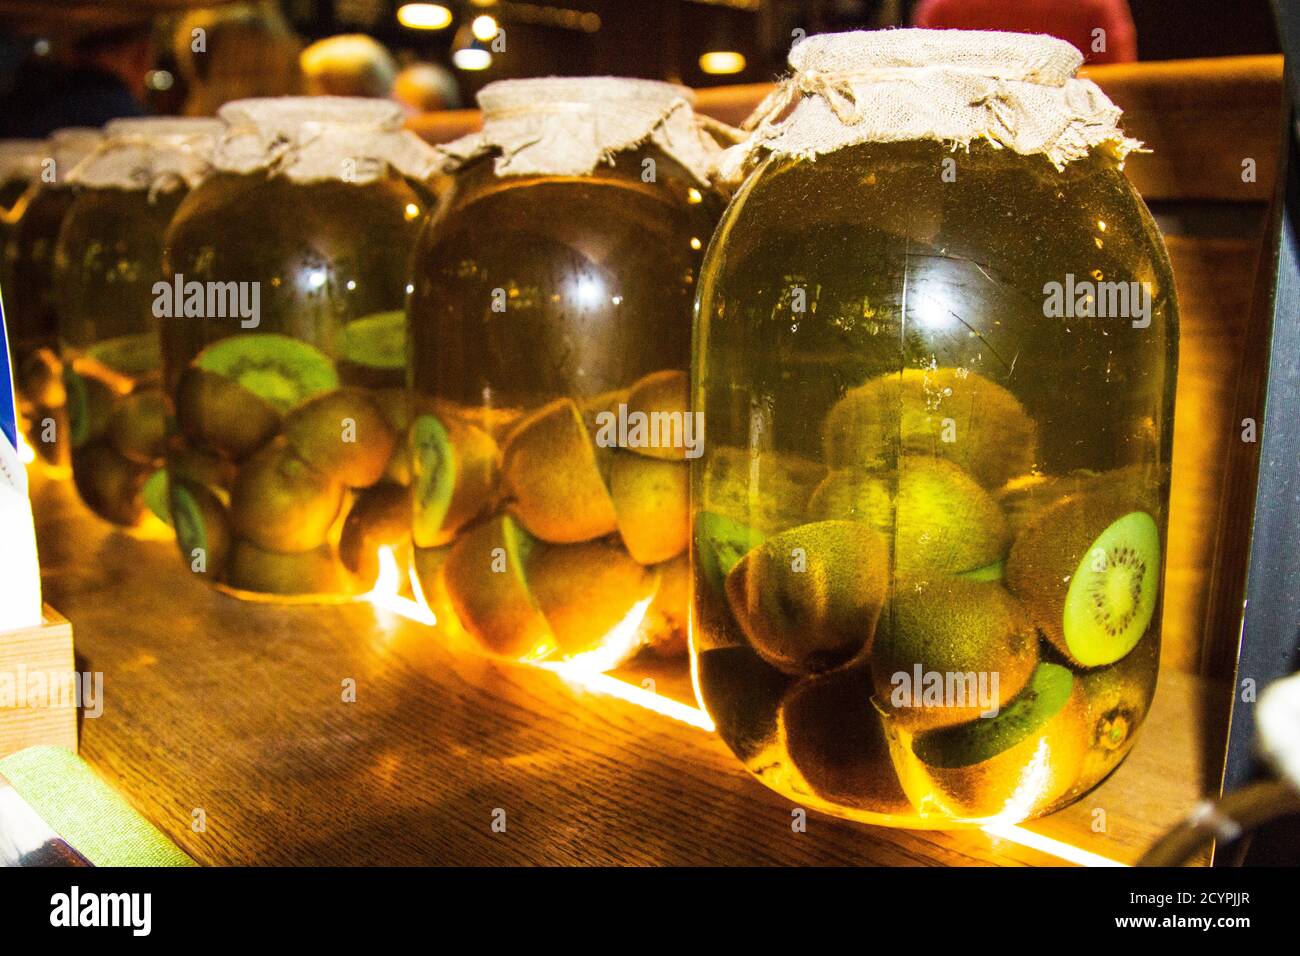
<point>78,62</point>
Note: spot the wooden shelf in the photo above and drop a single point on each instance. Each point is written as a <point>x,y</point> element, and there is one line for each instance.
<point>237,710</point>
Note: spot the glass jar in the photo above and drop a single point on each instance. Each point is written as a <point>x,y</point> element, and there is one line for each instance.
<point>551,306</point>
<point>107,263</point>
<point>929,522</point>
<point>27,279</point>
<point>284,350</point>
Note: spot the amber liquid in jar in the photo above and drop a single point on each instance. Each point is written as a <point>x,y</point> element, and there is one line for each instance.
<point>287,470</point>
<point>541,307</point>
<point>908,466</point>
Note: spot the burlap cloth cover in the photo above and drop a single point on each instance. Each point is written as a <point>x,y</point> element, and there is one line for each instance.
<point>319,138</point>
<point>20,159</point>
<point>1010,90</point>
<point>153,155</point>
<point>560,126</point>
<point>67,148</point>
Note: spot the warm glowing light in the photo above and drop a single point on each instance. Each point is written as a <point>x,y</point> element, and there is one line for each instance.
<point>386,594</point>
<point>1045,844</point>
<point>484,27</point>
<point>695,243</point>
<point>412,210</point>
<point>424,16</point>
<point>617,646</point>
<point>471,58</point>
<point>694,196</point>
<point>26,453</point>
<point>632,694</point>
<point>722,62</point>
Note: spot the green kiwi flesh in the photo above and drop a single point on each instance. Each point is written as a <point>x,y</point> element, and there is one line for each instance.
<point>282,371</point>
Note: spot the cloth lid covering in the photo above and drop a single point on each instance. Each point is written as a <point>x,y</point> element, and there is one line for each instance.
<point>1012,90</point>
<point>318,138</point>
<point>67,147</point>
<point>153,154</point>
<point>20,159</point>
<point>562,126</point>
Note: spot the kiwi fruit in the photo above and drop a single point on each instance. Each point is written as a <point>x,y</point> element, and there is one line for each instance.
<point>129,355</point>
<point>1023,499</point>
<point>155,493</point>
<point>720,543</point>
<point>664,630</point>
<point>429,564</point>
<point>1117,699</point>
<point>1015,765</point>
<point>835,738</point>
<point>342,434</point>
<point>953,628</point>
<point>938,517</point>
<point>91,402</point>
<point>282,371</point>
<point>138,427</point>
<point>380,516</point>
<point>549,467</point>
<point>661,393</point>
<point>651,501</point>
<point>1088,570</point>
<point>110,484</point>
<point>808,599</point>
<point>201,524</point>
<point>487,584</point>
<point>281,503</point>
<point>453,474</point>
<point>221,414</point>
<point>201,466</point>
<point>742,695</point>
<point>40,379</point>
<point>314,572</point>
<point>375,341</point>
<point>950,413</point>
<point>989,572</point>
<point>586,591</point>
<point>766,490</point>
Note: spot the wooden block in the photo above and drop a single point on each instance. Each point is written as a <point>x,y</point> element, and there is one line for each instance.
<point>38,703</point>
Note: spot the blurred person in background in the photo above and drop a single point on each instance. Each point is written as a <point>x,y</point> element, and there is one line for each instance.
<point>1075,21</point>
<point>426,88</point>
<point>101,77</point>
<point>236,51</point>
<point>351,64</point>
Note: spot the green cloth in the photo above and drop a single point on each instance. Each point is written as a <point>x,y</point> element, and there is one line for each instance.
<point>87,812</point>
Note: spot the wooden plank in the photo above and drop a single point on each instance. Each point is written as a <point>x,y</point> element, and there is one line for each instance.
<point>38,661</point>
<point>237,709</point>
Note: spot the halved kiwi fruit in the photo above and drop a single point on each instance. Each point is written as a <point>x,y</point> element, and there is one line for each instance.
<point>834,736</point>
<point>549,467</point>
<point>808,599</point>
<point>1117,699</point>
<point>916,412</point>
<point>487,583</point>
<point>281,503</point>
<point>664,630</point>
<point>138,427</point>
<point>961,634</point>
<point>202,528</point>
<point>720,543</point>
<point>342,434</point>
<point>661,393</point>
<point>939,518</point>
<point>91,402</point>
<point>1015,765</point>
<point>651,499</point>
<point>454,468</point>
<point>742,694</point>
<point>282,371</point>
<point>1088,570</point>
<point>379,517</point>
<point>1022,499</point>
<point>586,591</point>
<point>375,341</point>
<point>314,572</point>
<point>110,484</point>
<point>131,355</point>
<point>221,414</point>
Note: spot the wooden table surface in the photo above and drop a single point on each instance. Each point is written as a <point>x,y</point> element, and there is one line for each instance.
<point>234,713</point>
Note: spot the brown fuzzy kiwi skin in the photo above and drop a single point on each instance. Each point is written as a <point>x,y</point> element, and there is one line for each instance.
<point>585,591</point>
<point>474,491</point>
<point>138,428</point>
<point>764,490</point>
<point>212,515</point>
<point>951,625</point>
<point>742,694</point>
<point>1117,698</point>
<point>1024,498</point>
<point>280,503</point>
<point>664,392</point>
<point>110,484</point>
<point>221,414</point>
<point>314,572</point>
<point>1046,554</point>
<point>379,517</point>
<point>316,430</point>
<point>651,500</point>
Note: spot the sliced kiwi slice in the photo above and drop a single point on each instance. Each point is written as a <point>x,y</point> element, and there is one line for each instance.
<point>951,413</point>
<point>282,371</point>
<point>835,738</point>
<point>651,500</point>
<point>1089,572</point>
<point>375,341</point>
<point>202,529</point>
<point>940,646</point>
<point>281,503</point>
<point>343,434</point>
<point>938,517</point>
<point>549,466</point>
<point>453,477</point>
<point>808,599</point>
<point>586,591</point>
<point>487,584</point>
<point>131,355</point>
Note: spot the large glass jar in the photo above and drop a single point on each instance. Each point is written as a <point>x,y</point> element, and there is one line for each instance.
<point>27,279</point>
<point>551,303</point>
<point>929,521</point>
<point>108,262</point>
<point>284,350</point>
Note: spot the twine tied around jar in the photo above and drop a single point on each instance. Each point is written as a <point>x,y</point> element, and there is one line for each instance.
<point>153,155</point>
<point>560,126</point>
<point>1014,91</point>
<point>320,138</point>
